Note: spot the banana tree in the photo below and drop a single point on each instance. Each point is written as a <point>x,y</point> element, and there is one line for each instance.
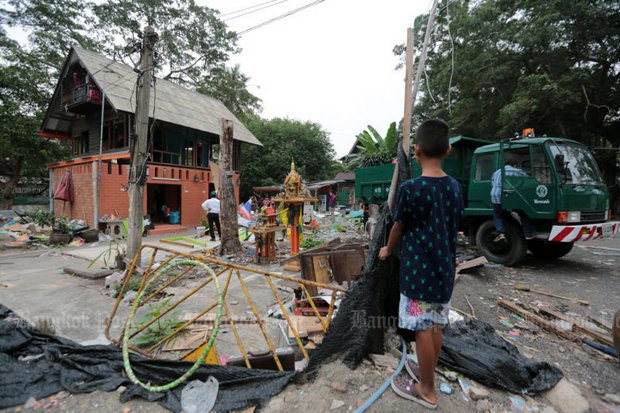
<point>375,149</point>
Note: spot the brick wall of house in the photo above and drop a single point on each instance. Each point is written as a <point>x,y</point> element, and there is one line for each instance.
<point>82,205</point>
<point>114,199</point>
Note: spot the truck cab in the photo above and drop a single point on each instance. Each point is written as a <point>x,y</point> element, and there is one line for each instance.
<point>561,191</point>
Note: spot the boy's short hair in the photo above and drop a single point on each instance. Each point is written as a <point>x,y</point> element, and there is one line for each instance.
<point>432,138</point>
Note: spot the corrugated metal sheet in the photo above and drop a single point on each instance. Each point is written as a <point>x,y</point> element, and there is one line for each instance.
<point>174,104</point>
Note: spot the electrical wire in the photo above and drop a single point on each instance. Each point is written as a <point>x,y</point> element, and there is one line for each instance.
<point>247,8</point>
<point>254,11</point>
<point>282,16</point>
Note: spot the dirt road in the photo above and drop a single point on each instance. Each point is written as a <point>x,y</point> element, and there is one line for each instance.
<point>590,272</point>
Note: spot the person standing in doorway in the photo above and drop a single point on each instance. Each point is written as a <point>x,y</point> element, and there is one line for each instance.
<point>212,207</point>
<point>496,200</point>
<point>331,202</point>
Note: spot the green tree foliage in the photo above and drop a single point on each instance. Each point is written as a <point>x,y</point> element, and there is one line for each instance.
<point>193,48</point>
<point>551,65</point>
<point>284,140</point>
<point>193,41</point>
<point>230,86</point>
<point>373,149</point>
<point>22,151</point>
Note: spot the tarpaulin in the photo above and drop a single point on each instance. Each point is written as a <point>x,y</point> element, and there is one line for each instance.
<point>474,348</point>
<point>35,364</point>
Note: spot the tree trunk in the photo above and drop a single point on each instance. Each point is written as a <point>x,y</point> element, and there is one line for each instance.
<point>228,208</point>
<point>7,189</point>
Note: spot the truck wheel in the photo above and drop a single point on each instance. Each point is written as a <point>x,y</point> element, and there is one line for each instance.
<point>507,252</point>
<point>548,249</point>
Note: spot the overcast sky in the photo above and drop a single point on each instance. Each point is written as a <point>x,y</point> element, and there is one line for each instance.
<point>331,63</point>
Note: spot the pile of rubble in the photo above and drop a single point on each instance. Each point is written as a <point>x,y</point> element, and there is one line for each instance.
<point>25,231</point>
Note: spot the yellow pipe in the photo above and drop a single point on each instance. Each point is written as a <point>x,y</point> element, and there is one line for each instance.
<point>260,321</point>
<point>288,320</point>
<point>172,307</point>
<point>236,333</point>
<point>175,332</point>
<point>316,311</point>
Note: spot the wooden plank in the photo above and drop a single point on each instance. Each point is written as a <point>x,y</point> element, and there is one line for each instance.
<point>292,264</point>
<point>473,263</point>
<point>305,326</point>
<point>542,322</point>
<point>600,322</point>
<point>576,325</point>
<point>522,287</point>
<point>322,269</point>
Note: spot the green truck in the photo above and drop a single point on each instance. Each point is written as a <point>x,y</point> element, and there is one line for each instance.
<point>562,192</point>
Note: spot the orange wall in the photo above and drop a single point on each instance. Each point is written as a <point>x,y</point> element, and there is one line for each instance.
<point>82,205</point>
<point>114,199</point>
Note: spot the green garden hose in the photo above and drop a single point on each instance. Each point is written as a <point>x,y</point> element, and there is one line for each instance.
<point>132,313</point>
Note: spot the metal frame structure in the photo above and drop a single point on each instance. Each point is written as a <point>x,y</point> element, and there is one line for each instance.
<point>227,269</point>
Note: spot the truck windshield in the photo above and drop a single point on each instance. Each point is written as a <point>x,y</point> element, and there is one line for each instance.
<point>581,168</point>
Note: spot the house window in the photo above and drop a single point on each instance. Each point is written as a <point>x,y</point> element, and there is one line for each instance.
<point>80,144</point>
<point>119,135</point>
<point>188,153</point>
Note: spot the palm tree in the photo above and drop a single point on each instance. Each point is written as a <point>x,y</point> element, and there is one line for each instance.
<point>375,149</point>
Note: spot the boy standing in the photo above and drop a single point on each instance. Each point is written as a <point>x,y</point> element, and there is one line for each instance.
<point>426,224</point>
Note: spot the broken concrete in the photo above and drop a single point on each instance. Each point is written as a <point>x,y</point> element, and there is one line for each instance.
<point>567,398</point>
<point>87,273</point>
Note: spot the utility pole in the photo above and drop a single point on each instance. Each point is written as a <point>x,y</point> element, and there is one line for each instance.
<point>406,117</point>
<point>139,144</point>
<point>412,98</point>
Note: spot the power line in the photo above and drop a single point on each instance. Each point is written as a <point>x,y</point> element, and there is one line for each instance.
<point>265,23</point>
<point>255,10</point>
<point>247,8</point>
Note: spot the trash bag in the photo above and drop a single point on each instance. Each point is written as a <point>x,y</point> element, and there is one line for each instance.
<point>36,364</point>
<point>473,348</point>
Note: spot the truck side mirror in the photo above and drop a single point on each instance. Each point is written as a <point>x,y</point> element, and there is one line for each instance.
<point>560,166</point>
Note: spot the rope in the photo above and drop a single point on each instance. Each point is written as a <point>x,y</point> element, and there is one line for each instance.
<point>132,313</point>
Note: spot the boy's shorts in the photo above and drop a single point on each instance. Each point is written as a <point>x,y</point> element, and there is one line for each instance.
<point>417,315</point>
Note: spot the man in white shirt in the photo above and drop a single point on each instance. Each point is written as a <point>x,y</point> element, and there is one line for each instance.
<point>212,206</point>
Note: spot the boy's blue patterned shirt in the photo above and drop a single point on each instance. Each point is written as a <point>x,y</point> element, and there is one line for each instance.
<point>430,208</point>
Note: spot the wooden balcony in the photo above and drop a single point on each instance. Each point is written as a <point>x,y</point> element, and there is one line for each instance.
<point>82,99</point>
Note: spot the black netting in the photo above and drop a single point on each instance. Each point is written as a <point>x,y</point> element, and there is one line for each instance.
<point>35,364</point>
<point>372,300</point>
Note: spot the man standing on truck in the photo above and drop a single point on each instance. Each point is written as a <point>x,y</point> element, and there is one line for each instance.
<point>496,199</point>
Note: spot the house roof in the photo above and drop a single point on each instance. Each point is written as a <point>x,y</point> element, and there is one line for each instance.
<point>173,103</point>
<point>345,176</point>
<point>312,186</point>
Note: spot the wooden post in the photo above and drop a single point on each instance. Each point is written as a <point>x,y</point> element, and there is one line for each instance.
<point>410,103</point>
<point>138,147</point>
<point>407,115</point>
<point>228,209</point>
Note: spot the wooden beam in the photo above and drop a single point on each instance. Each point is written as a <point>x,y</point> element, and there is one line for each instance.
<point>473,263</point>
<point>536,319</point>
<point>578,327</point>
<point>522,287</point>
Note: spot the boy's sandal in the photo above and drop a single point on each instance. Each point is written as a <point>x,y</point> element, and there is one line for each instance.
<point>406,389</point>
<point>414,370</point>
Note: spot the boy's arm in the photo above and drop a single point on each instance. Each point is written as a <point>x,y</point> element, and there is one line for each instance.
<point>395,236</point>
